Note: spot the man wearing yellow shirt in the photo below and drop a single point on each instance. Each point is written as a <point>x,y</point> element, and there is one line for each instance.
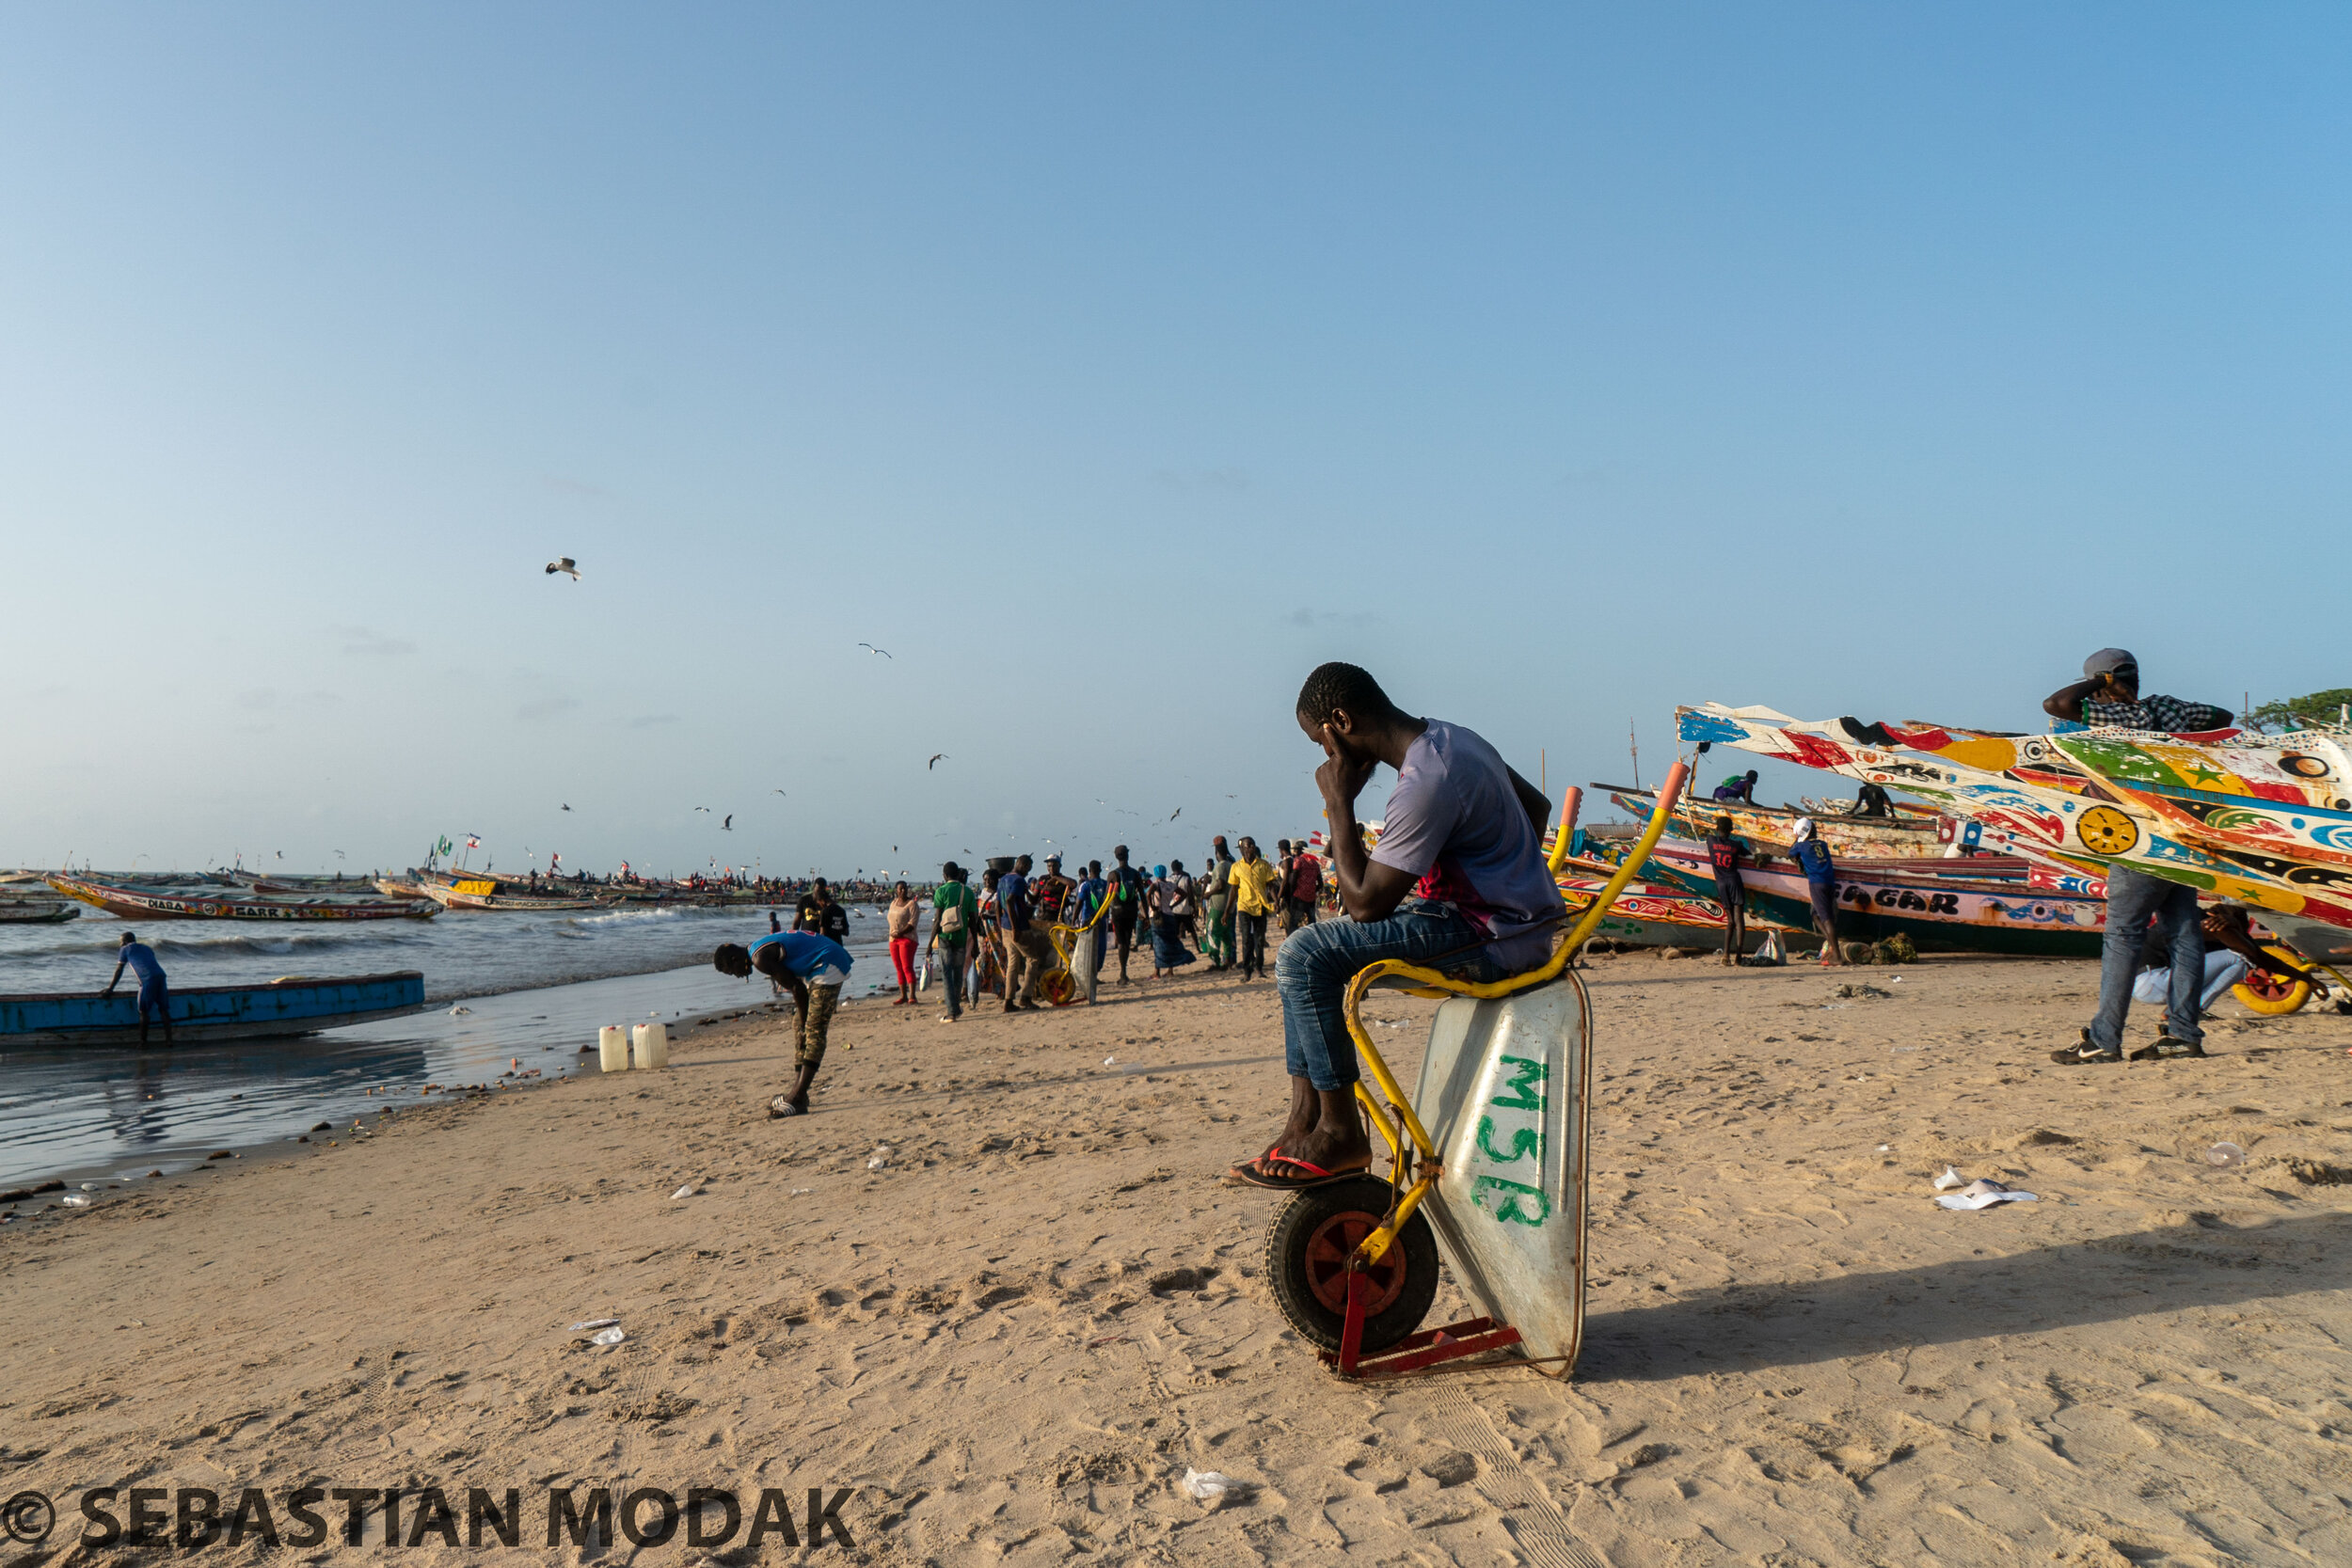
<point>1253,882</point>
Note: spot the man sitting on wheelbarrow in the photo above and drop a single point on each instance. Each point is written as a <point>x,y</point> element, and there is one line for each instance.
<point>1457,885</point>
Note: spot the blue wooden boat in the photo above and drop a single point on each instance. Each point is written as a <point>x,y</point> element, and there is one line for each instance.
<point>295,1006</point>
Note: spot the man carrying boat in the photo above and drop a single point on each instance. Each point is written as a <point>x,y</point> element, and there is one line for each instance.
<point>154,991</point>
<point>813,968</point>
<point>2109,694</point>
<point>1457,883</point>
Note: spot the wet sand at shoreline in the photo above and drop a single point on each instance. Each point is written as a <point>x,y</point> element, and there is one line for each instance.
<point>1013,1335</point>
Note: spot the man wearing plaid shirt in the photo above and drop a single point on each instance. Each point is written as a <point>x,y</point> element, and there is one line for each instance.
<point>2108,696</point>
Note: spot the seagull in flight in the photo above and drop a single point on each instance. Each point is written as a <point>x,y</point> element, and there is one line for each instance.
<point>777,792</point>
<point>1177,813</point>
<point>727,826</point>
<point>567,806</point>
<point>702,808</point>
<point>563,563</point>
<point>937,758</point>
<point>884,651</point>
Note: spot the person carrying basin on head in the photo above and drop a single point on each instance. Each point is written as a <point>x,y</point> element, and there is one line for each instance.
<point>1457,883</point>
<point>154,990</point>
<point>2109,694</point>
<point>813,968</point>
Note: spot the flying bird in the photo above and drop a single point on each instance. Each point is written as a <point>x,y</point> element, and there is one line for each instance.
<point>776,792</point>
<point>937,758</point>
<point>728,825</point>
<point>567,806</point>
<point>1177,813</point>
<point>702,808</point>
<point>563,563</point>
<point>884,651</point>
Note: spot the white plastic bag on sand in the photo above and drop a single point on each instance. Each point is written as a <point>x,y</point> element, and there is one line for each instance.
<point>607,1337</point>
<point>1767,952</point>
<point>1984,1194</point>
<point>75,1200</point>
<point>881,1157</point>
<point>593,1322</point>
<point>687,1191</point>
<point>1951,1178</point>
<point>1206,1486</point>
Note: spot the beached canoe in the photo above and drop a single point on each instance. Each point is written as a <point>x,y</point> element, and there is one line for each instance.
<point>226,903</point>
<point>1936,904</point>
<point>295,1006</point>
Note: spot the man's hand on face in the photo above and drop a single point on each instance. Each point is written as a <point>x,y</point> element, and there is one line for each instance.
<point>1344,772</point>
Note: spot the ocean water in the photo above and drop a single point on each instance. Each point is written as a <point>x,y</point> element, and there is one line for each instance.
<point>534,987</point>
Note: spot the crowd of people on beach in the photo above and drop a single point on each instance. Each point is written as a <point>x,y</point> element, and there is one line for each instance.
<point>1457,880</point>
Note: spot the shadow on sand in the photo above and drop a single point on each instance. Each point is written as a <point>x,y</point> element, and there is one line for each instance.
<point>2205,1262</point>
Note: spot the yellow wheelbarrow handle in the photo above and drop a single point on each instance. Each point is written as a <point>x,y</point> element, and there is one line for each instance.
<point>1429,982</point>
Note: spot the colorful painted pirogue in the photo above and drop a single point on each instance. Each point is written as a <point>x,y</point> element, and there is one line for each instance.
<point>2256,820</point>
<point>1773,829</point>
<point>219,902</point>
<point>1963,906</point>
<point>490,893</point>
<point>1650,913</point>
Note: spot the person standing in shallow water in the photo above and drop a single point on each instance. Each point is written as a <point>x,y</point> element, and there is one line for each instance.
<point>1458,883</point>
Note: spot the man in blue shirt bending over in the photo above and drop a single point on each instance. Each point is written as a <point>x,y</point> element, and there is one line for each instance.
<point>154,991</point>
<point>813,968</point>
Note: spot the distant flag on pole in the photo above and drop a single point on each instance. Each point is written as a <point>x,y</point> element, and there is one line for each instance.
<point>473,841</point>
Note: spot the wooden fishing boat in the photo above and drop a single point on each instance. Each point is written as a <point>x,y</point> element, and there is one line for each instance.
<point>296,1005</point>
<point>232,903</point>
<point>401,887</point>
<point>1947,905</point>
<point>2259,820</point>
<point>36,912</point>
<point>488,893</point>
<point>1650,912</point>
<point>1914,835</point>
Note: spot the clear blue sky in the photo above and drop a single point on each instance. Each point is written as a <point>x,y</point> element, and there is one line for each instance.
<point>1111,367</point>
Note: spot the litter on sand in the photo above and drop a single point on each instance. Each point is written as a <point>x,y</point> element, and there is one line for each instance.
<point>1984,1194</point>
<point>1207,1485</point>
<point>1108,1060</point>
<point>1951,1178</point>
<point>881,1157</point>
<point>75,1200</point>
<point>687,1191</point>
<point>2226,1154</point>
<point>607,1337</point>
<point>593,1322</point>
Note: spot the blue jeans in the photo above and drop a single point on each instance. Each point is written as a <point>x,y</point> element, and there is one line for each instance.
<point>2132,898</point>
<point>1315,964</point>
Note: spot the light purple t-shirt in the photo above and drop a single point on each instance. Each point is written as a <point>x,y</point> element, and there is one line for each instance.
<point>1456,822</point>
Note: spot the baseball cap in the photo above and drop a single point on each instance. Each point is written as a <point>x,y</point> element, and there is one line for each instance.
<point>2107,661</point>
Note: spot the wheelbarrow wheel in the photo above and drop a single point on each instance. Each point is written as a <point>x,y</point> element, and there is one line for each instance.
<point>2262,991</point>
<point>1307,1248</point>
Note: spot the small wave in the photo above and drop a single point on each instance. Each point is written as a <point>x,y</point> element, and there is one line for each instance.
<point>665,916</point>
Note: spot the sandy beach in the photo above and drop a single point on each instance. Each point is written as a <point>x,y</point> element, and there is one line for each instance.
<point>1011,1335</point>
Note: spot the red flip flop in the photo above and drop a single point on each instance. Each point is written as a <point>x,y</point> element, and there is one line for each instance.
<point>1260,1173</point>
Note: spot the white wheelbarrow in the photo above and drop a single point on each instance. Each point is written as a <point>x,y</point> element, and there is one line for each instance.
<point>1489,1173</point>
